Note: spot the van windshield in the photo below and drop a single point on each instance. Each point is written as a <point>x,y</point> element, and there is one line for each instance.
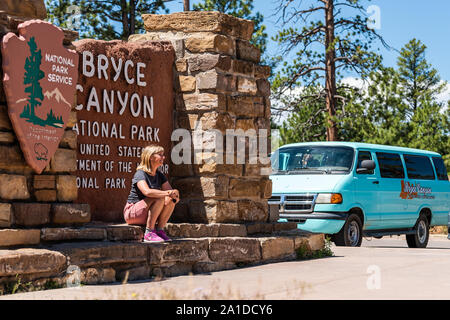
<point>312,159</point>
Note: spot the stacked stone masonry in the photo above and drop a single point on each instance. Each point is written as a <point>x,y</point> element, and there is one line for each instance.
<point>28,199</point>
<point>220,85</point>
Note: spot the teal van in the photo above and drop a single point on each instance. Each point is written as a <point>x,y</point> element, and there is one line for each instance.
<point>350,190</point>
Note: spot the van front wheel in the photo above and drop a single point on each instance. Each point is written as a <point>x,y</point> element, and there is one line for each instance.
<point>421,234</point>
<point>350,234</point>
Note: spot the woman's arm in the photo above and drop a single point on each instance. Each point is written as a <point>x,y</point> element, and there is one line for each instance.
<point>175,194</point>
<point>152,193</point>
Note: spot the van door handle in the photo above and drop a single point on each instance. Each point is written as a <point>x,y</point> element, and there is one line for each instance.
<point>376,182</point>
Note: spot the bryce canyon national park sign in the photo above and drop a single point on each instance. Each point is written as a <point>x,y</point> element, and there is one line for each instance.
<point>40,77</point>
<point>125,101</point>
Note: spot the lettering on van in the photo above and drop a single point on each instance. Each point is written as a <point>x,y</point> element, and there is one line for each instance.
<point>411,191</point>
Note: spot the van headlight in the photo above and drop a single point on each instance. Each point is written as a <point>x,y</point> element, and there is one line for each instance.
<point>333,198</point>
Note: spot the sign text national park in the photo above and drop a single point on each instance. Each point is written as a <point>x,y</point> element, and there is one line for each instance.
<point>124,102</point>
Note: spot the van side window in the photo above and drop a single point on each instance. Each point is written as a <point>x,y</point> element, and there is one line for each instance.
<point>390,165</point>
<point>364,155</point>
<point>440,168</point>
<point>418,167</point>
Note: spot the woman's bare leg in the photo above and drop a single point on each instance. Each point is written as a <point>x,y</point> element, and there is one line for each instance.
<point>165,214</point>
<point>155,209</point>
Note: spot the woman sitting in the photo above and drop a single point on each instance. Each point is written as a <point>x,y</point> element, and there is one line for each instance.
<point>152,199</point>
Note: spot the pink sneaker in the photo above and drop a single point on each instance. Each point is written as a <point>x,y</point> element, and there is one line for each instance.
<point>152,237</point>
<point>162,235</point>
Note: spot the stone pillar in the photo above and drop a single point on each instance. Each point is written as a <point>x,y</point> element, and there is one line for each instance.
<point>28,199</point>
<point>219,85</point>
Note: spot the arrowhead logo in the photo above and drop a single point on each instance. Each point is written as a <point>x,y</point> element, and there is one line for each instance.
<point>40,78</point>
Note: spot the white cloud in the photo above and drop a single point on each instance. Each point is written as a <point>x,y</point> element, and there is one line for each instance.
<point>359,83</point>
<point>445,95</point>
<point>355,82</point>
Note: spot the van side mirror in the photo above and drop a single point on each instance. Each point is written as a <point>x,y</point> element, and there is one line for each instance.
<point>366,165</point>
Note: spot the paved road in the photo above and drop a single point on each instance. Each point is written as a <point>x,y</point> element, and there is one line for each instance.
<point>380,269</point>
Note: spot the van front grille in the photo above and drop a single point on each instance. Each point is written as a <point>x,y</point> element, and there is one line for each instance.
<point>275,199</point>
<point>294,203</point>
<point>289,207</point>
<point>300,198</point>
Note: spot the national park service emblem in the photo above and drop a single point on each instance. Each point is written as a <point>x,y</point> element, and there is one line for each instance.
<point>40,78</point>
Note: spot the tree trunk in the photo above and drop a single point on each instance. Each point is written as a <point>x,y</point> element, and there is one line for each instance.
<point>186,5</point>
<point>330,78</point>
<point>125,26</point>
<point>132,17</point>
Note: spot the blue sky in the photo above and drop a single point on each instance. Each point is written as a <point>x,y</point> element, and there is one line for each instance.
<point>401,20</point>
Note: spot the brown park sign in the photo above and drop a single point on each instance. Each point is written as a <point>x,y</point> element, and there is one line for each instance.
<point>125,102</point>
<point>40,78</point>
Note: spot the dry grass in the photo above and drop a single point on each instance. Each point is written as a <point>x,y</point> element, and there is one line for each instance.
<point>216,290</point>
<point>439,230</point>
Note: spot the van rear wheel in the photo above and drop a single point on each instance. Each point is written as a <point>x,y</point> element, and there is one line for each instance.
<point>350,234</point>
<point>421,235</point>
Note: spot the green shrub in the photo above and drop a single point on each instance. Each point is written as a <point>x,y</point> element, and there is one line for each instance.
<point>303,252</point>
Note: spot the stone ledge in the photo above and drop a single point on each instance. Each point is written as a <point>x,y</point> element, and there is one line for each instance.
<point>13,187</point>
<point>30,261</point>
<point>67,234</point>
<point>96,254</point>
<point>31,214</point>
<point>198,230</point>
<point>182,250</point>
<point>19,237</point>
<point>93,231</point>
<point>236,250</point>
<point>70,213</point>
<point>276,247</point>
<point>270,227</point>
<point>123,232</point>
<point>102,262</point>
<point>200,21</point>
<point>6,215</point>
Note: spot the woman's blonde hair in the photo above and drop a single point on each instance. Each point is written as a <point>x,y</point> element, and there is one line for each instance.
<point>146,155</point>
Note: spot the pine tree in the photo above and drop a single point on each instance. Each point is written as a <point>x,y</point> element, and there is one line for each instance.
<point>386,109</point>
<point>403,104</point>
<point>106,19</point>
<point>305,122</point>
<point>418,78</point>
<point>308,120</point>
<point>31,79</point>
<point>421,85</point>
<point>329,42</point>
<point>399,107</point>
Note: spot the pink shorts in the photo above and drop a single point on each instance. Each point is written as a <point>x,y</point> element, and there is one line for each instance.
<point>136,213</point>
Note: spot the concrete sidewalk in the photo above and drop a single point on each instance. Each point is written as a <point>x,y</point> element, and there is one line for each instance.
<point>381,269</point>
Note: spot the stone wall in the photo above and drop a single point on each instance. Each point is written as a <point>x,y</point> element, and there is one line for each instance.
<point>28,199</point>
<point>220,84</point>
